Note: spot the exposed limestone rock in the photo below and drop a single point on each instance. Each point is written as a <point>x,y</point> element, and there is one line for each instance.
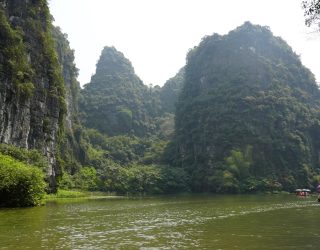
<point>31,85</point>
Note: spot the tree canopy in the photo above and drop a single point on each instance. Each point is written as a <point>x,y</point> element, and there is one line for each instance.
<point>311,12</point>
<point>248,114</point>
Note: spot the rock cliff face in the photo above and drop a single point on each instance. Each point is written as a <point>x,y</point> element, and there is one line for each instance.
<point>32,104</point>
<point>72,154</point>
<point>69,74</point>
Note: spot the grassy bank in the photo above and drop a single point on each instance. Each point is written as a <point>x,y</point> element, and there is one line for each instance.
<point>78,194</point>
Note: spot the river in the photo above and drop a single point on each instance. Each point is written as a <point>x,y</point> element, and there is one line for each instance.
<point>166,222</point>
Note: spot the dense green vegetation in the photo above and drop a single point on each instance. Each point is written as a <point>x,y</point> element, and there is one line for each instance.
<point>37,28</point>
<point>32,88</point>
<point>13,59</point>
<point>248,116</point>
<point>116,101</point>
<point>170,92</point>
<point>124,165</point>
<point>130,126</point>
<point>20,184</point>
<point>70,151</point>
<point>32,157</point>
<point>241,116</point>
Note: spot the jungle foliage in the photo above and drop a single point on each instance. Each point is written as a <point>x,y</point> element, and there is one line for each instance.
<point>116,102</point>
<point>125,165</point>
<point>248,116</point>
<point>13,58</point>
<point>21,184</point>
<point>241,116</point>
<point>128,128</point>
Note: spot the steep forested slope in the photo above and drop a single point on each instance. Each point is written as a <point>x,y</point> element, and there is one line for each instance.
<point>116,101</point>
<point>244,108</point>
<point>128,127</point>
<point>32,104</point>
<point>71,152</point>
<point>170,92</point>
<point>248,115</point>
<point>39,97</point>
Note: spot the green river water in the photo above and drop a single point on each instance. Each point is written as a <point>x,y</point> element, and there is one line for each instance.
<point>166,222</point>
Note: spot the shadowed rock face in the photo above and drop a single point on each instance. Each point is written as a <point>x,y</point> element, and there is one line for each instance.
<point>31,87</point>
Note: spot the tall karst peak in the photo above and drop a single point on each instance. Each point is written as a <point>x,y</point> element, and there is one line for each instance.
<point>112,67</point>
<point>248,54</point>
<point>116,101</point>
<point>113,61</point>
<point>247,95</point>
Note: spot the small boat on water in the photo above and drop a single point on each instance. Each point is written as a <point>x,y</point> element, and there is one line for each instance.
<point>303,192</point>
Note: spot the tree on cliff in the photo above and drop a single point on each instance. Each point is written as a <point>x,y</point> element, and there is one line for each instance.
<point>311,12</point>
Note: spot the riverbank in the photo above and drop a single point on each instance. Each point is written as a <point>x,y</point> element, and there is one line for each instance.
<point>78,194</point>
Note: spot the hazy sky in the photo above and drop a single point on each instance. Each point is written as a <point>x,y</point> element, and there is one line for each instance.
<point>155,35</point>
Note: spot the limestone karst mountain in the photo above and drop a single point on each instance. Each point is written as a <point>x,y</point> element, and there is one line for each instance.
<point>248,116</point>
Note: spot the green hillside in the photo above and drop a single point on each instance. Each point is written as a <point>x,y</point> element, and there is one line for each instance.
<point>248,116</point>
